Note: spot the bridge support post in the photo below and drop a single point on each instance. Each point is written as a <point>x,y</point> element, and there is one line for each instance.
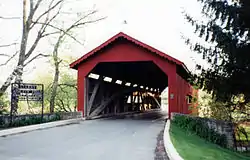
<point>86,96</point>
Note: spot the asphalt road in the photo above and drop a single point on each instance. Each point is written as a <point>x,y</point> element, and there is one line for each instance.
<point>103,139</point>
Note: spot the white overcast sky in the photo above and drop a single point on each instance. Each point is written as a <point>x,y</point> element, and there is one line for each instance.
<point>158,23</point>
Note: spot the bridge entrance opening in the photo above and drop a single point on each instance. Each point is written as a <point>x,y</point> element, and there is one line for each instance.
<point>118,87</point>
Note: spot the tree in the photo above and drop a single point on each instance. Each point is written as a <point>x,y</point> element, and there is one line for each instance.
<point>31,21</point>
<point>3,105</point>
<point>79,23</point>
<point>66,98</point>
<point>39,17</point>
<point>226,48</point>
<point>66,94</point>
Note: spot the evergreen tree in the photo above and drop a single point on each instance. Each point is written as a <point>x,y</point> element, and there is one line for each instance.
<point>227,32</point>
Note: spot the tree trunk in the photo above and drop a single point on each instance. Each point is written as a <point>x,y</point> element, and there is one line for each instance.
<point>19,75</point>
<point>54,88</point>
<point>7,83</point>
<point>23,46</point>
<point>18,71</point>
<point>56,74</point>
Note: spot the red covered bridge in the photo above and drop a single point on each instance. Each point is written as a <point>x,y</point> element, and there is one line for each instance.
<point>124,74</point>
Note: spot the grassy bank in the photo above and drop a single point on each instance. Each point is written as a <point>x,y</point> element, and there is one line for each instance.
<point>192,147</point>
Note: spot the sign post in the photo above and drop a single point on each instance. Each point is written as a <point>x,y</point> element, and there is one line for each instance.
<point>26,92</point>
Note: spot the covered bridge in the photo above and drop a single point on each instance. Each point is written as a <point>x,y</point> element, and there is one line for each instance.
<point>124,74</point>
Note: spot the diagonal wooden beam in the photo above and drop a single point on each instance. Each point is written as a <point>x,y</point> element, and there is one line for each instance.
<point>93,95</point>
<point>107,101</point>
<point>103,105</point>
<point>157,102</point>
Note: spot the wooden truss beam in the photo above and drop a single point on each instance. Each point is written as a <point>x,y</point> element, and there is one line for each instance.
<point>92,97</point>
<point>107,101</point>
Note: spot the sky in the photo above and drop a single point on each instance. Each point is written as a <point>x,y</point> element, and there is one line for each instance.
<point>158,23</point>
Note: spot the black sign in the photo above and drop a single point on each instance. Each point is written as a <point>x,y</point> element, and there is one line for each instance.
<point>25,92</point>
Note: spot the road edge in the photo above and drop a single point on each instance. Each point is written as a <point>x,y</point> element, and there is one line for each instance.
<point>30,128</point>
<point>160,151</point>
<point>169,147</point>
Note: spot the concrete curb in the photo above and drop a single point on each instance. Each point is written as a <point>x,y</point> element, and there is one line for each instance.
<point>169,147</point>
<point>29,128</point>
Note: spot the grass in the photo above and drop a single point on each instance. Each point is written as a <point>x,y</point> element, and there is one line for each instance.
<point>192,147</point>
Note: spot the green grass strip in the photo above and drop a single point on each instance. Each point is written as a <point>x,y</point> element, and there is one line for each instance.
<point>192,147</point>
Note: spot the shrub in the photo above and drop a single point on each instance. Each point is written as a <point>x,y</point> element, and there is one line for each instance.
<point>199,127</point>
<point>18,122</point>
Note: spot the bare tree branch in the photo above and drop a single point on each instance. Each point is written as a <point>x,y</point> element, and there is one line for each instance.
<point>37,5</point>
<point>75,25</point>
<point>10,58</point>
<point>9,18</point>
<point>50,8</point>
<point>41,32</point>
<point>68,85</point>
<point>32,48</point>
<point>48,34</point>
<point>32,11</point>
<point>36,57</point>
<point>57,28</point>
<point>7,45</point>
<point>6,55</point>
<point>48,21</point>
<point>88,22</point>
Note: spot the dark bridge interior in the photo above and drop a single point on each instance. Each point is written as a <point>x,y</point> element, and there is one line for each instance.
<point>144,73</point>
<point>118,87</point>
